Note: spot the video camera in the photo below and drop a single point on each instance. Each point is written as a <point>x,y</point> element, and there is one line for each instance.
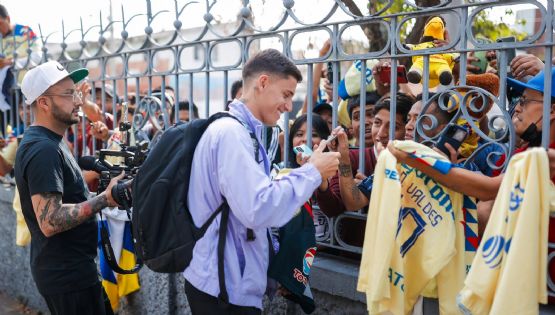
<point>131,157</point>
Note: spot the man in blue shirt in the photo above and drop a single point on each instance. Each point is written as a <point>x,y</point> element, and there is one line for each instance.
<point>224,166</point>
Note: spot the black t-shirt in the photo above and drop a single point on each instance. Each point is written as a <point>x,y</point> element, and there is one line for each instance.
<point>63,262</point>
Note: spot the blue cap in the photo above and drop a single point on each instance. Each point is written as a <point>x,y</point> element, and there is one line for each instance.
<point>536,83</point>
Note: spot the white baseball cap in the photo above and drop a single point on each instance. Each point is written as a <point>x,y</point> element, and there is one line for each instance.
<point>37,80</point>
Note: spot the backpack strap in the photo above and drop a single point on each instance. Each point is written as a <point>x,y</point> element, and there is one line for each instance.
<point>256,146</point>
<point>223,298</point>
<point>200,232</point>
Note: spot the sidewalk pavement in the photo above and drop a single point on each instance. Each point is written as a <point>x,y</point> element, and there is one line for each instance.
<point>10,306</point>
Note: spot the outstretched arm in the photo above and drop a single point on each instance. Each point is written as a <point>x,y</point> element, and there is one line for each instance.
<point>353,198</point>
<point>318,67</point>
<point>457,179</point>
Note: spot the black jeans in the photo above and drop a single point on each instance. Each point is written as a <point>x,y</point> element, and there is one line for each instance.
<point>205,304</point>
<point>93,301</point>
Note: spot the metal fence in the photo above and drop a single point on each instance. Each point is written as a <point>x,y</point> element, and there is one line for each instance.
<point>201,62</point>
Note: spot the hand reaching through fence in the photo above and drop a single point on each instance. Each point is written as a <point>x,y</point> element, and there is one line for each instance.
<point>523,67</point>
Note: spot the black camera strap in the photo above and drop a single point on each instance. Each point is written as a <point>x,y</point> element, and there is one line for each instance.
<point>108,251</point>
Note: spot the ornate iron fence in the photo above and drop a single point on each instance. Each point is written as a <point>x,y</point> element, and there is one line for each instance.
<point>200,62</point>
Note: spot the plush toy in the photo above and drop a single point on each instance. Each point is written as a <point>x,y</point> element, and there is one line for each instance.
<point>490,83</point>
<point>441,65</point>
<point>350,87</point>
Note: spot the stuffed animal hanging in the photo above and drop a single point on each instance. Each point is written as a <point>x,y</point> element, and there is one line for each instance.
<point>441,65</point>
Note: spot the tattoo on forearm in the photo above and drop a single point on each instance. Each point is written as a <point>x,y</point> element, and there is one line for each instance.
<point>44,213</point>
<point>62,217</point>
<point>345,170</point>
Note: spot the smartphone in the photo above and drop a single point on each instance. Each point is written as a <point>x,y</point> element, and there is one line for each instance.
<point>365,186</point>
<point>385,74</point>
<point>304,150</point>
<point>330,72</point>
<point>331,138</point>
<point>511,52</point>
<point>482,61</point>
<point>454,135</point>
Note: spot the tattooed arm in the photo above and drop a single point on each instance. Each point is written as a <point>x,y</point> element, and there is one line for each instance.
<point>352,197</point>
<point>55,217</point>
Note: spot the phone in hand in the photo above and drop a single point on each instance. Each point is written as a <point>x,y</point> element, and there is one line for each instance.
<point>365,186</point>
<point>385,74</point>
<point>511,52</point>
<point>330,72</point>
<point>331,138</point>
<point>482,61</point>
<point>304,150</point>
<point>454,135</point>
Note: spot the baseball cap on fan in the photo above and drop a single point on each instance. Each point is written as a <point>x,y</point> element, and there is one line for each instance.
<point>37,80</point>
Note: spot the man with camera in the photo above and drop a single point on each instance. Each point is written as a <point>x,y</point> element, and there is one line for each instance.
<point>54,197</point>
<point>229,165</point>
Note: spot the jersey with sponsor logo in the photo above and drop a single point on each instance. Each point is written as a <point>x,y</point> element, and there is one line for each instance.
<point>415,234</point>
<point>508,274</point>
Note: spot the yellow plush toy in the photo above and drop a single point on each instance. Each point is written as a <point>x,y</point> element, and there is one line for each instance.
<point>441,65</point>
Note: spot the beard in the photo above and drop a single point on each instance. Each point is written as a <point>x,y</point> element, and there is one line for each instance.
<point>62,117</point>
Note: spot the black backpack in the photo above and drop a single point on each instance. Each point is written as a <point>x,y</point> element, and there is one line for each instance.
<point>164,232</point>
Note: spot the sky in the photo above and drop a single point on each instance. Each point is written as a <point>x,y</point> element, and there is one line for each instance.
<point>49,14</point>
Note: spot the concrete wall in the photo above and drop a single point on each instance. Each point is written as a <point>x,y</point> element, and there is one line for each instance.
<point>333,282</point>
<point>164,293</point>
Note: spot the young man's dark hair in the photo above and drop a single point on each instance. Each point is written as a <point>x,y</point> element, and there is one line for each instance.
<point>3,12</point>
<point>235,87</point>
<point>132,99</point>
<point>184,105</point>
<point>272,62</point>
<point>403,105</point>
<point>319,126</point>
<point>419,96</point>
<point>352,103</point>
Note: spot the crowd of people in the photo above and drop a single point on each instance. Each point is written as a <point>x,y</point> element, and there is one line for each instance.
<point>265,191</point>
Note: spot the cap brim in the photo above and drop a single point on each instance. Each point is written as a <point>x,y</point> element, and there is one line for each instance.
<point>519,86</point>
<point>78,74</point>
